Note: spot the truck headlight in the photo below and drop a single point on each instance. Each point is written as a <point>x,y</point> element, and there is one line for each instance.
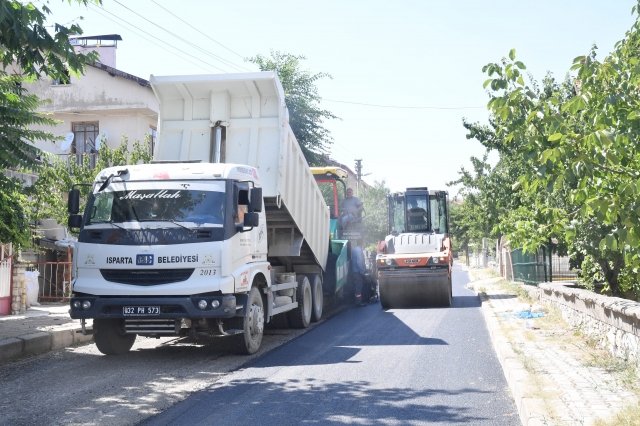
<point>86,305</point>
<point>202,304</point>
<point>76,304</point>
<point>215,304</point>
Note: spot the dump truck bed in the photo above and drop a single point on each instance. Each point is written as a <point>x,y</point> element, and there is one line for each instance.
<point>251,109</point>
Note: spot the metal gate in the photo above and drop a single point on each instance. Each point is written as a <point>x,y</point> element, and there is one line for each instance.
<point>54,280</point>
<point>6,262</point>
<point>530,268</point>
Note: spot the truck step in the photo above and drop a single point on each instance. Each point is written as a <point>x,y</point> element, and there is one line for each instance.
<point>151,326</point>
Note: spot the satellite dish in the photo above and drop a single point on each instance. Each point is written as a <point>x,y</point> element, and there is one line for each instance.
<point>97,144</point>
<point>67,142</point>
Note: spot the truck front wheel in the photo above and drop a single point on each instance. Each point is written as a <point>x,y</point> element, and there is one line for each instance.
<point>110,337</point>
<point>252,324</point>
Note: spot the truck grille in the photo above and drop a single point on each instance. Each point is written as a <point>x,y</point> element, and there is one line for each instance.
<point>146,276</point>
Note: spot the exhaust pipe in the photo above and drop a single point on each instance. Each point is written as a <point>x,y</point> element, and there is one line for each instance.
<point>217,152</point>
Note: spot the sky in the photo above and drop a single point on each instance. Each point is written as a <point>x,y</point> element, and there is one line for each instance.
<point>405,54</point>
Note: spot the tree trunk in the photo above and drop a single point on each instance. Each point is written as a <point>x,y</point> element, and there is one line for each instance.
<point>611,274</point>
<point>466,252</point>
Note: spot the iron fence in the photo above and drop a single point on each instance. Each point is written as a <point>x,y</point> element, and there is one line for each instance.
<point>54,280</point>
<point>561,269</point>
<point>538,267</point>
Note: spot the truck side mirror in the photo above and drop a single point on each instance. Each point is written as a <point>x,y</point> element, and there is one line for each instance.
<point>251,219</point>
<point>255,203</point>
<point>75,221</point>
<point>73,204</point>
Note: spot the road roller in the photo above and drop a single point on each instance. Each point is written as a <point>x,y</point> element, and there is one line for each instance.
<point>414,261</point>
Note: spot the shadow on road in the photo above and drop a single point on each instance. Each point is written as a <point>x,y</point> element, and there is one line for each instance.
<point>243,402</point>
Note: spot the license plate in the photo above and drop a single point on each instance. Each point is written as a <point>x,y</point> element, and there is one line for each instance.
<point>140,311</point>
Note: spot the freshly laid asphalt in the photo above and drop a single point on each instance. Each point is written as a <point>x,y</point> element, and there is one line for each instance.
<point>367,366</point>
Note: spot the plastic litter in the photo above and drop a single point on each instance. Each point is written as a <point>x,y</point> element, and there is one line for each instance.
<point>31,282</point>
<point>524,315</point>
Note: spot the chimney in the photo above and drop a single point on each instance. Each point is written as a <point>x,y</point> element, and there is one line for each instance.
<point>105,45</point>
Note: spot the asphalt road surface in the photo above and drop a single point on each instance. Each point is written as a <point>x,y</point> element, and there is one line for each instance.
<point>367,366</point>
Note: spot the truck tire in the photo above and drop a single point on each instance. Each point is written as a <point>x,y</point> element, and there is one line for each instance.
<point>300,317</point>
<point>317,297</point>
<point>448,302</point>
<point>110,337</point>
<point>248,342</point>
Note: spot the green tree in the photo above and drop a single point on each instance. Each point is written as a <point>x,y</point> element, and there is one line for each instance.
<point>57,176</point>
<point>301,96</point>
<point>579,143</point>
<point>375,204</point>
<point>26,44</point>
<point>13,223</point>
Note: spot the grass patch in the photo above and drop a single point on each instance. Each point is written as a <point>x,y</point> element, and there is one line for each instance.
<point>482,274</point>
<point>516,289</point>
<point>552,319</point>
<point>629,416</point>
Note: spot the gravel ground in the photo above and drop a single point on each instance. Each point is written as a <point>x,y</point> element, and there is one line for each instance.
<point>78,385</point>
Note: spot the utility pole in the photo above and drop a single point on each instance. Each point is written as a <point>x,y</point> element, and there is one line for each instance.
<point>358,174</point>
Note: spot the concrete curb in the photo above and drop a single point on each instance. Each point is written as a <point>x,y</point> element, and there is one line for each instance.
<point>39,343</point>
<point>530,410</point>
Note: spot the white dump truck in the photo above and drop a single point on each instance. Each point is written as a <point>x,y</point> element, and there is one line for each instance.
<point>223,232</point>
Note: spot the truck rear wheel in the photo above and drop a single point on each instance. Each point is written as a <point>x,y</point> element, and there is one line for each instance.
<point>317,297</point>
<point>248,342</point>
<point>110,337</point>
<point>300,317</point>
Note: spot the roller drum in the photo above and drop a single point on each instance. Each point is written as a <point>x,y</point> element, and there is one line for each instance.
<point>414,288</point>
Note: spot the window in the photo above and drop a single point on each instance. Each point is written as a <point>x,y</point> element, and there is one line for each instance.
<point>84,141</point>
<point>18,84</point>
<point>398,214</point>
<point>417,213</point>
<point>63,79</point>
<point>438,214</point>
<point>152,139</point>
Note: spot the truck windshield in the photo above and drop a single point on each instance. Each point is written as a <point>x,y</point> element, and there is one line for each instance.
<point>190,204</point>
<point>417,218</point>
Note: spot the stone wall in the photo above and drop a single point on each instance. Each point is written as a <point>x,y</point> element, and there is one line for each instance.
<point>613,322</point>
<point>19,291</point>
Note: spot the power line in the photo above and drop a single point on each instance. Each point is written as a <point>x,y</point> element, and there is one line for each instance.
<point>401,107</point>
<point>215,41</point>
<point>97,10</point>
<point>151,41</point>
<point>228,63</point>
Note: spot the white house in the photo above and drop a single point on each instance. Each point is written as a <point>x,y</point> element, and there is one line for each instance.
<point>103,100</point>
